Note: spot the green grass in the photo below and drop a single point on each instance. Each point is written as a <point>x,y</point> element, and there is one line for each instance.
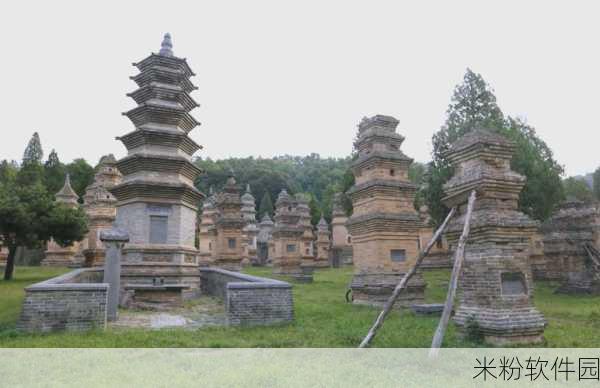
<point>322,319</point>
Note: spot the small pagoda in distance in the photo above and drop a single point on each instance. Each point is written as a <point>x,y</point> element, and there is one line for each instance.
<point>56,255</point>
<point>157,201</point>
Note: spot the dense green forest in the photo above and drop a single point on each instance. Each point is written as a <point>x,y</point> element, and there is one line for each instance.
<point>318,178</point>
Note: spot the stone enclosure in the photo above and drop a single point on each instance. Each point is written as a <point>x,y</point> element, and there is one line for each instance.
<point>78,300</point>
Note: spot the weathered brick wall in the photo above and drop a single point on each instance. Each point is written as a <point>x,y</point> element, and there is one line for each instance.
<point>66,302</point>
<point>249,300</point>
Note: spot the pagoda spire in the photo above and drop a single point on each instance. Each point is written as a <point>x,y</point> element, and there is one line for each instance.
<point>67,194</point>
<point>166,47</point>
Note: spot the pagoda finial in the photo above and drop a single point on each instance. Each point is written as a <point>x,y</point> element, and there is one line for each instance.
<point>248,188</point>
<point>166,47</point>
<point>67,194</point>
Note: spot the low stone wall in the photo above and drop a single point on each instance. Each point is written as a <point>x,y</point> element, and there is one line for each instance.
<point>249,300</point>
<point>74,301</point>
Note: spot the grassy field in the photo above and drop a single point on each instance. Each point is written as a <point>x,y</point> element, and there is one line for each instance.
<point>322,319</point>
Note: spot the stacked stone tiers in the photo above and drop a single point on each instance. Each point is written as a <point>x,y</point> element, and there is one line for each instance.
<point>496,285</point>
<point>56,255</point>
<point>566,233</point>
<point>384,226</point>
<point>323,244</point>
<point>100,208</point>
<point>157,200</point>
<point>287,236</point>
<point>229,224</point>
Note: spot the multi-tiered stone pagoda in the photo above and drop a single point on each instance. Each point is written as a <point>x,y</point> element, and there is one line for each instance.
<point>264,240</point>
<point>250,230</point>
<point>308,237</point>
<point>207,234</point>
<point>573,229</point>
<point>229,224</point>
<point>100,207</point>
<point>385,225</point>
<point>323,244</point>
<point>157,200</point>
<point>496,286</point>
<point>341,241</point>
<point>56,255</point>
<point>287,236</point>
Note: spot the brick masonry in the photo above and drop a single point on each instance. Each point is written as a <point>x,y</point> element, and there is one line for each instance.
<point>249,300</point>
<point>74,301</point>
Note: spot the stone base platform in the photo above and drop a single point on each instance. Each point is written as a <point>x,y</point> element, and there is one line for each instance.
<point>375,289</point>
<point>155,297</point>
<point>501,327</point>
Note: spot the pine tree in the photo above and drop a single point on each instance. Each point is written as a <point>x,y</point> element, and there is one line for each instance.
<point>266,206</point>
<point>473,105</point>
<point>33,152</point>
<point>54,173</point>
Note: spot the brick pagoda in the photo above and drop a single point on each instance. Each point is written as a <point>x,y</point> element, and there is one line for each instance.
<point>100,207</point>
<point>250,230</point>
<point>385,225</point>
<point>308,237</point>
<point>56,255</point>
<point>496,286</point>
<point>323,244</point>
<point>341,241</point>
<point>207,234</point>
<point>157,200</point>
<point>287,236</point>
<point>571,227</point>
<point>229,224</point>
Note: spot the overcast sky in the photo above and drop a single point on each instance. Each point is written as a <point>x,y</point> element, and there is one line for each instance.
<point>282,77</point>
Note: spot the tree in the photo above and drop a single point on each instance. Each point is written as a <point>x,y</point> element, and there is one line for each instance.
<point>535,160</point>
<point>82,175</point>
<point>266,206</point>
<point>8,171</point>
<point>577,189</point>
<point>473,105</point>
<point>54,173</point>
<point>29,215</point>
<point>33,152</point>
<point>596,183</point>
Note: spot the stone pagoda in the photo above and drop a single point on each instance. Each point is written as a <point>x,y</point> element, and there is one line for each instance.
<point>287,236</point>
<point>308,237</point>
<point>207,235</point>
<point>229,224</point>
<point>385,225</point>
<point>574,225</point>
<point>496,286</point>
<point>263,240</point>
<point>323,244</point>
<point>341,240</point>
<point>56,255</point>
<point>157,201</point>
<point>100,207</point>
<point>250,231</point>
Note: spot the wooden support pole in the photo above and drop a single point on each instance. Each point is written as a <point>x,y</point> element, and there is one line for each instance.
<point>402,285</point>
<point>458,260</point>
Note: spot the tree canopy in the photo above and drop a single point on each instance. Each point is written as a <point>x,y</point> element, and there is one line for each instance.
<point>577,189</point>
<point>29,215</point>
<point>473,105</point>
